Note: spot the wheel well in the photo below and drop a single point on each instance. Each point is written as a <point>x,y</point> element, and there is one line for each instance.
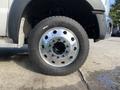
<point>79,10</point>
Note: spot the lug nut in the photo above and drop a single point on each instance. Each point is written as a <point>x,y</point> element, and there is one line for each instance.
<point>64,41</point>
<point>67,46</point>
<point>63,56</point>
<point>49,45</point>
<point>66,51</point>
<point>58,39</point>
<point>52,55</point>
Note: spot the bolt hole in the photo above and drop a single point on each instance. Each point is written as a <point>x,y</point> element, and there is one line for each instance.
<point>71,57</point>
<point>75,48</point>
<point>63,62</point>
<point>53,40</point>
<point>58,57</point>
<point>54,32</point>
<point>45,56</point>
<point>72,39</point>
<point>65,32</point>
<point>43,46</point>
<point>63,56</point>
<point>46,37</point>
<point>53,61</point>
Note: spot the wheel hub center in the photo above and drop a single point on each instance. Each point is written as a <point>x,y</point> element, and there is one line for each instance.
<point>59,48</point>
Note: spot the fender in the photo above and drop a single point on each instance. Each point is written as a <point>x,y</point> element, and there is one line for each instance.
<point>96,4</point>
<point>17,10</point>
<point>14,19</point>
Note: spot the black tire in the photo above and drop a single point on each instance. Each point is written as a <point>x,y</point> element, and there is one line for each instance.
<point>51,22</point>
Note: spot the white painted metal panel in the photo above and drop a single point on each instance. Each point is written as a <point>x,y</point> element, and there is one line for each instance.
<point>106,4</point>
<point>10,2</point>
<point>97,4</point>
<point>3,17</point>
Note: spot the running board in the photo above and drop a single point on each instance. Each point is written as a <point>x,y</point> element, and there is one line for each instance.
<point>11,45</point>
<point>5,42</point>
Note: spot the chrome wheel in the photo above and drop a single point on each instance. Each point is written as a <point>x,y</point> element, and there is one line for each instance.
<point>59,47</point>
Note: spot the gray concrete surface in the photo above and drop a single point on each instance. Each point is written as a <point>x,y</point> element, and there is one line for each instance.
<point>100,72</point>
<point>102,69</point>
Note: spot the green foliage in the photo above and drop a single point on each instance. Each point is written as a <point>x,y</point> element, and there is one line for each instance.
<point>115,12</point>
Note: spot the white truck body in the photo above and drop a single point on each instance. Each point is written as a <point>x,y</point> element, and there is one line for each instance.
<point>106,4</point>
<point>5,7</point>
<point>4,11</point>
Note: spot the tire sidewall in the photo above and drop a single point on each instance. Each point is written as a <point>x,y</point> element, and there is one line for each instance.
<point>39,30</point>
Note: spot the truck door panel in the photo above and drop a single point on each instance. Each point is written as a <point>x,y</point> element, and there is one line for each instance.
<point>3,17</point>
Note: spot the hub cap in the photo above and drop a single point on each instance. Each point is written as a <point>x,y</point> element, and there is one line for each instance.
<point>58,47</point>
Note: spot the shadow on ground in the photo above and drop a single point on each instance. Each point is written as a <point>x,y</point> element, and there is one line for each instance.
<point>19,56</point>
<point>22,60</point>
<point>66,87</point>
<point>107,79</point>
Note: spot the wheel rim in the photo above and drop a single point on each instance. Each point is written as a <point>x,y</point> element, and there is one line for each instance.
<point>59,47</point>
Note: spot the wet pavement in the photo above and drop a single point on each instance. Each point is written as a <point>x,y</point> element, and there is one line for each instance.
<point>100,72</point>
<point>102,69</point>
